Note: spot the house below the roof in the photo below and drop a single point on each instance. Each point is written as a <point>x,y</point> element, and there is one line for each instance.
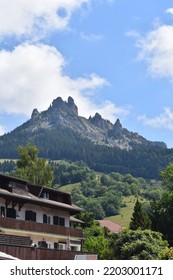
<point>37,222</point>
<point>110,225</point>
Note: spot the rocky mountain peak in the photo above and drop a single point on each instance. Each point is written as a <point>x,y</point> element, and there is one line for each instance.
<point>118,124</point>
<point>98,121</point>
<point>72,105</point>
<point>35,114</point>
<point>64,114</point>
<point>58,105</point>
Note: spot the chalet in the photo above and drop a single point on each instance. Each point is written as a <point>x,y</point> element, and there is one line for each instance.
<point>37,222</point>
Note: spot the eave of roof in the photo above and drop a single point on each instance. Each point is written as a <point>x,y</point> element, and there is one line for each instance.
<point>73,209</point>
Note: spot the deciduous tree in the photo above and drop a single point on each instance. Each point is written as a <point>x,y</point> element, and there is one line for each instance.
<point>34,169</point>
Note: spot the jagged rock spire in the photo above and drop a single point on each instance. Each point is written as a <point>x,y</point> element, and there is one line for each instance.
<point>35,114</point>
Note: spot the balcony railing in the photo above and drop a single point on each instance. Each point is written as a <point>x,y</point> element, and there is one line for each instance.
<point>39,227</point>
<point>28,253</point>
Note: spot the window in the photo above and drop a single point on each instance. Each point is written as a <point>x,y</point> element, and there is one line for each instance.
<point>45,195</point>
<point>44,218</point>
<point>30,215</point>
<point>49,220</point>
<point>42,244</point>
<point>62,222</point>
<point>55,220</point>
<point>56,245</point>
<point>61,246</point>
<point>58,221</point>
<point>11,213</point>
<point>2,211</point>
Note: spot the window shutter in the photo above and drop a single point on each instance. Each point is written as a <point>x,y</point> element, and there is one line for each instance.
<point>44,218</point>
<point>28,215</point>
<point>33,216</point>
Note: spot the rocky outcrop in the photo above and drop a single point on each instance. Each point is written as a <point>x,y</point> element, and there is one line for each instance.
<point>99,122</point>
<point>96,129</point>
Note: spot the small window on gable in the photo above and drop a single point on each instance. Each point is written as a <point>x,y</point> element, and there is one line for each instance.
<point>45,195</point>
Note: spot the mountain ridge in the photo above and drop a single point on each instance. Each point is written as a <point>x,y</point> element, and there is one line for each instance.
<point>95,129</point>
<point>60,133</point>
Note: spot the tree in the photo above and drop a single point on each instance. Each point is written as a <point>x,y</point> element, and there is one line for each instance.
<point>167,177</point>
<point>94,206</point>
<point>34,169</point>
<point>111,203</point>
<point>140,219</point>
<point>138,245</point>
<point>97,241</point>
<point>162,210</point>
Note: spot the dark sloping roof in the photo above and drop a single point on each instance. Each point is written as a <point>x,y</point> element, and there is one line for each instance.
<point>14,179</point>
<point>29,193</point>
<point>73,209</point>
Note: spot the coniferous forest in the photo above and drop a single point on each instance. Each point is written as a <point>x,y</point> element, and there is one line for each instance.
<point>64,143</point>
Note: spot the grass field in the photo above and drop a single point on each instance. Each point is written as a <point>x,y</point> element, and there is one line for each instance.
<point>68,188</point>
<point>125,212</point>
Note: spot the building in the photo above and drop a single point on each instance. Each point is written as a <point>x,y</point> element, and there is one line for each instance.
<point>110,225</point>
<point>37,222</point>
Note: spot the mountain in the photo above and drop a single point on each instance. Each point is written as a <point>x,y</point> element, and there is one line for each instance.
<point>96,129</point>
<point>59,132</point>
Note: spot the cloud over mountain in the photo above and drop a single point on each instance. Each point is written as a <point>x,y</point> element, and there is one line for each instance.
<point>33,75</point>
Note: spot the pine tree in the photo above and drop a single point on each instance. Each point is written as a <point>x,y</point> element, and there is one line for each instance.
<point>140,219</point>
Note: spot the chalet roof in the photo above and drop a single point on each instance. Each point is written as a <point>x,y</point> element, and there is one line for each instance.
<point>73,219</point>
<point>14,179</point>
<point>29,185</point>
<point>113,227</point>
<point>73,209</point>
<point>30,193</point>
<point>39,188</point>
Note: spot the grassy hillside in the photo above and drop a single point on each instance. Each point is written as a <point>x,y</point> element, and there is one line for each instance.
<point>68,188</point>
<point>125,212</point>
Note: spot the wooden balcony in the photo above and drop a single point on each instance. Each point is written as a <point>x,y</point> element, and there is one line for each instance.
<point>10,223</point>
<point>28,253</point>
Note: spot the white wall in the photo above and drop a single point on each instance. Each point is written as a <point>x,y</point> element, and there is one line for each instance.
<point>40,210</point>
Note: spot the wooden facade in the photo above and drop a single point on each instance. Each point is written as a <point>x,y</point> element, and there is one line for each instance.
<point>29,253</point>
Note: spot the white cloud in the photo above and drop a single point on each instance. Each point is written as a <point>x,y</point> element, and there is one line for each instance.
<point>169,11</point>
<point>27,17</point>
<point>31,76</point>
<point>163,121</point>
<point>156,48</point>
<point>2,129</point>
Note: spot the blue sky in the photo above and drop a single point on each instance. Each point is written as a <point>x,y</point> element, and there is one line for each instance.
<point>114,57</point>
